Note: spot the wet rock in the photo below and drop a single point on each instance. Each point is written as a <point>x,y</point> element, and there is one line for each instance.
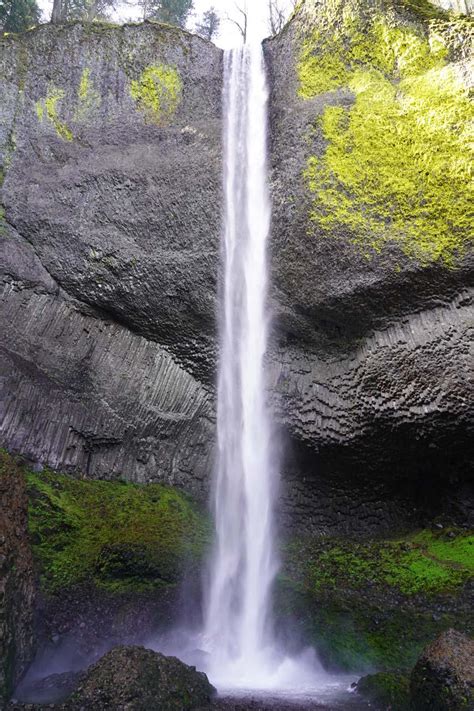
<point>17,583</point>
<point>443,677</point>
<point>386,690</point>
<point>366,340</point>
<point>137,679</point>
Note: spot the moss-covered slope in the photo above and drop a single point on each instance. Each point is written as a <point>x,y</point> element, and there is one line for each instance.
<point>118,536</point>
<point>375,604</point>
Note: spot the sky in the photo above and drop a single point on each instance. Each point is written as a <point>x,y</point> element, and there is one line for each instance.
<point>229,35</point>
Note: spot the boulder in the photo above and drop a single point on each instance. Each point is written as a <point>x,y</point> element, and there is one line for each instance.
<point>137,679</point>
<point>443,677</point>
<point>386,690</point>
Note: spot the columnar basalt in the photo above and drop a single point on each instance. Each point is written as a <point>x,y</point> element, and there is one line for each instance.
<point>110,147</point>
<point>372,259</point>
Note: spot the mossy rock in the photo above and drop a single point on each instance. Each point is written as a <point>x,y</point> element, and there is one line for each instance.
<point>116,535</point>
<point>443,677</point>
<point>386,690</point>
<point>397,160</point>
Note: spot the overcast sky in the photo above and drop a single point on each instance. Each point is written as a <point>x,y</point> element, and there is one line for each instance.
<point>229,35</point>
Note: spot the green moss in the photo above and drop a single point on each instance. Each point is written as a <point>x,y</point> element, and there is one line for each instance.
<point>157,93</point>
<point>423,563</point>
<point>386,690</point>
<point>328,60</point>
<point>89,98</point>
<point>47,109</point>
<point>2,220</point>
<point>397,166</point>
<point>119,536</point>
<point>357,630</point>
<point>370,604</point>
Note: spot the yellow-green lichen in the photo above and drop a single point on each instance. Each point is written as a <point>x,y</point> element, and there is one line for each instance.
<point>157,93</point>
<point>89,98</point>
<point>47,109</point>
<point>2,220</point>
<point>397,166</point>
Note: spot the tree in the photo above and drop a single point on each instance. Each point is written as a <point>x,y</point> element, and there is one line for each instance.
<point>208,27</point>
<point>276,16</point>
<point>278,13</point>
<point>88,10</point>
<point>240,20</point>
<point>172,12</point>
<point>18,15</point>
<point>58,11</point>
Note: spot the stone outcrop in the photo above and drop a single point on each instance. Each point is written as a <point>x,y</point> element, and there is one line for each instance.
<point>443,677</point>
<point>110,139</point>
<point>385,690</point>
<point>372,276</point>
<point>17,583</point>
<point>140,679</point>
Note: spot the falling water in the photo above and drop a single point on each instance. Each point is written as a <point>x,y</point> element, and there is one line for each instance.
<point>238,630</point>
<point>238,624</point>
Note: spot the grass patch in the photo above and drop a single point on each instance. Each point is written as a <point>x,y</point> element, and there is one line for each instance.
<point>376,604</point>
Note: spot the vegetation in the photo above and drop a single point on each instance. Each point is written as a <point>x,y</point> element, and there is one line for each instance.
<point>118,536</point>
<point>397,165</point>
<point>88,10</point>
<point>209,24</point>
<point>377,603</point>
<point>157,93</point>
<point>47,110</point>
<point>89,98</point>
<point>425,562</point>
<point>172,12</point>
<point>18,15</point>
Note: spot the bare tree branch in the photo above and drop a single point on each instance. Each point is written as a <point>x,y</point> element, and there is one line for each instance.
<point>241,23</point>
<point>278,13</point>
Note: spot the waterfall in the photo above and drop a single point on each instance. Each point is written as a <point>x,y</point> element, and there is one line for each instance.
<point>237,645</point>
<point>238,633</point>
<point>238,622</point>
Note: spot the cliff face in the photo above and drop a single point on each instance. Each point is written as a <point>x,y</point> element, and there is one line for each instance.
<point>111,145</point>
<point>111,142</point>
<point>17,584</point>
<point>372,257</point>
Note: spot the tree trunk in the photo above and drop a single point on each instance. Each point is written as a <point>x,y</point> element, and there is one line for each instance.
<point>57,14</point>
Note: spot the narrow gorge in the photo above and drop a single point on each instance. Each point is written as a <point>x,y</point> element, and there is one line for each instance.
<point>115,401</point>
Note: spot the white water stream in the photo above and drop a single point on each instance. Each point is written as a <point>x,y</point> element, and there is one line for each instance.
<point>237,646</point>
<point>238,624</point>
